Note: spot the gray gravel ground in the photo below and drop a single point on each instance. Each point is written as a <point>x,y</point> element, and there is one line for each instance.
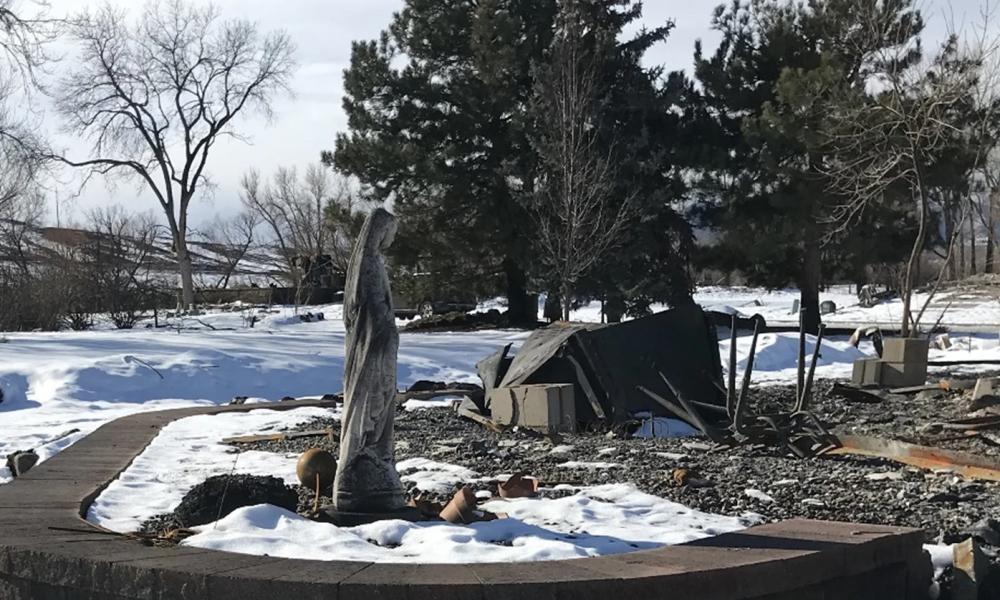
<point>866,490</point>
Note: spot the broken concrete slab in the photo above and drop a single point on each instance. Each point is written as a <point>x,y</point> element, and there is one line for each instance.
<point>985,389</point>
<point>867,372</point>
<point>903,374</point>
<point>971,568</point>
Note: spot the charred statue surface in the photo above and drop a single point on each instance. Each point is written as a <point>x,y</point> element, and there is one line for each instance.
<point>367,481</point>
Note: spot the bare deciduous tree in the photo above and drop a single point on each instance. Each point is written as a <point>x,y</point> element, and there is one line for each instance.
<point>119,262</point>
<point>26,32</point>
<point>235,237</point>
<point>154,98</point>
<point>885,139</point>
<point>985,137</point>
<point>292,211</point>
<point>579,219</point>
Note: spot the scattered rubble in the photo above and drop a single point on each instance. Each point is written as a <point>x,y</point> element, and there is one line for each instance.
<point>463,321</point>
<point>21,462</point>
<point>612,368</point>
<point>844,488</point>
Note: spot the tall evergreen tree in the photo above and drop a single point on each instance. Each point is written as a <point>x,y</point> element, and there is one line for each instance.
<point>441,121</point>
<point>443,134</point>
<point>763,183</point>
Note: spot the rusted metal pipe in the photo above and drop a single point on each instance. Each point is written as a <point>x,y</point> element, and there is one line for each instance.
<point>807,389</point>
<point>731,390</point>
<point>741,400</point>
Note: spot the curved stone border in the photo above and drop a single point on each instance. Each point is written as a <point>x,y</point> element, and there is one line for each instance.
<point>47,550</point>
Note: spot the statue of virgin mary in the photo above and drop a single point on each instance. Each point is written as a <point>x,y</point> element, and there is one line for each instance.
<point>366,479</point>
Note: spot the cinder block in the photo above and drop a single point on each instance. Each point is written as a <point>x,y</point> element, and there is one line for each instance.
<point>867,371</point>
<point>503,406</point>
<point>905,374</point>
<point>905,350</point>
<point>548,408</point>
<point>985,386</point>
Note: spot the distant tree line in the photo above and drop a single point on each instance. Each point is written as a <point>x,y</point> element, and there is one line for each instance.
<point>529,146</point>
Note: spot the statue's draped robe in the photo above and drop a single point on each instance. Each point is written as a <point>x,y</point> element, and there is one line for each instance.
<point>367,480</point>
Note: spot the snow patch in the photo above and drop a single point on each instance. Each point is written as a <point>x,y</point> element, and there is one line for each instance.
<point>598,520</point>
<point>432,476</point>
<point>187,452</point>
<point>664,427</point>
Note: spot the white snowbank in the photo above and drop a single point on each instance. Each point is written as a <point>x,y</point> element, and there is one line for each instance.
<point>600,520</point>
<point>777,353</point>
<point>55,382</point>
<point>440,402</point>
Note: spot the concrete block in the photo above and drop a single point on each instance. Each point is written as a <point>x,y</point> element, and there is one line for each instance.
<point>985,386</point>
<point>20,463</point>
<point>905,350</point>
<point>503,406</point>
<point>546,407</point>
<point>867,371</point>
<point>907,374</point>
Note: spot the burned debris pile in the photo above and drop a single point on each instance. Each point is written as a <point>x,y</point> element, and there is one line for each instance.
<point>665,365</point>
<point>572,374</point>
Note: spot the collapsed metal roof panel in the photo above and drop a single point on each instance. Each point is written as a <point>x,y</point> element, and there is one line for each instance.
<point>608,363</point>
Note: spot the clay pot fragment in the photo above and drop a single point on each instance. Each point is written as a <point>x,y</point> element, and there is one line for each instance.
<point>519,486</point>
<point>462,507</point>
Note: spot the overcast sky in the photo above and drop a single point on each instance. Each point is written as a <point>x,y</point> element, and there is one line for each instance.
<point>306,124</point>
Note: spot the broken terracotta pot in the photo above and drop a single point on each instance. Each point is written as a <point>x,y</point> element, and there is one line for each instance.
<point>462,507</point>
<point>519,486</point>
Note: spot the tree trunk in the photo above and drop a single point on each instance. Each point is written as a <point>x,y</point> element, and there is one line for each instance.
<point>566,294</point>
<point>949,231</point>
<point>809,285</point>
<point>988,266</point>
<point>960,263</point>
<point>972,246</point>
<point>991,218</point>
<point>184,269</point>
<point>518,308</point>
<point>912,263</point>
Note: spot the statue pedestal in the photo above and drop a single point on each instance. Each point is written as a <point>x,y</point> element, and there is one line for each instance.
<point>343,518</point>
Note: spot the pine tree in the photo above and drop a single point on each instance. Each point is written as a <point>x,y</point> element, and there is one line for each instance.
<point>442,122</point>
<point>763,178</point>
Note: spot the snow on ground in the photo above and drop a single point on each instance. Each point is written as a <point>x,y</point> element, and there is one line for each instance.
<point>776,356</point>
<point>433,476</point>
<point>56,382</point>
<point>594,521</point>
<point>957,309</point>
<point>942,557</point>
<point>440,402</point>
<point>185,453</point>
<point>597,520</point>
<point>663,427</point>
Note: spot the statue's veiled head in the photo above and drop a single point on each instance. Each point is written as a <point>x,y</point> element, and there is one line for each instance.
<point>379,231</point>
